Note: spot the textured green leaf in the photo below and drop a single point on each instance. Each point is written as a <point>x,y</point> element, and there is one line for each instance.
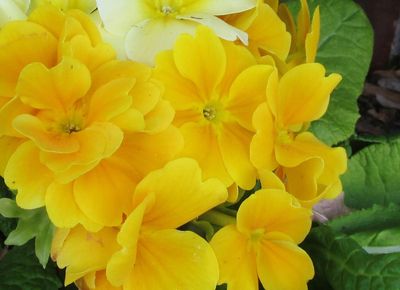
<point>345,47</point>
<point>376,218</point>
<point>344,265</point>
<point>373,176</point>
<point>19,270</point>
<point>31,224</point>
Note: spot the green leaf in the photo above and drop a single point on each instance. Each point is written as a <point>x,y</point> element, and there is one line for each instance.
<point>373,176</point>
<point>345,47</point>
<point>343,265</point>
<point>376,218</point>
<point>6,224</point>
<point>31,224</point>
<point>19,270</point>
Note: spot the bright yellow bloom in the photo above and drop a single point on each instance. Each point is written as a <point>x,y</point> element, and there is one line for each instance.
<point>263,244</point>
<point>147,27</point>
<point>266,31</point>
<point>95,281</point>
<point>215,87</point>
<point>151,253</point>
<point>76,120</point>
<point>311,168</point>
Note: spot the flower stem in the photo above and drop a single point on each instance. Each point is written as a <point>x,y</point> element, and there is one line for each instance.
<point>218,218</point>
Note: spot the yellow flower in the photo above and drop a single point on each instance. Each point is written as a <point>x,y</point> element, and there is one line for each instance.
<point>263,244</point>
<point>214,87</point>
<point>147,27</point>
<point>266,31</point>
<point>95,281</point>
<point>299,97</point>
<point>151,253</point>
<point>76,120</point>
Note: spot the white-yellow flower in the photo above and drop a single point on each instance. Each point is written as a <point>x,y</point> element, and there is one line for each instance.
<point>146,27</point>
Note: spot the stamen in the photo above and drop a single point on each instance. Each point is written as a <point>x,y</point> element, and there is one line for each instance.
<point>209,113</point>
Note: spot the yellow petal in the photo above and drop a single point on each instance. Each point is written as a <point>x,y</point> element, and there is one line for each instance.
<point>282,265</point>
<point>234,142</point>
<point>302,181</point>
<point>87,23</point>
<point>23,43</point>
<point>247,92</point>
<point>9,111</point>
<point>8,145</point>
<point>312,38</point>
<point>160,118</point>
<point>269,180</point>
<point>146,95</point>
<point>98,248</point>
<point>268,32</point>
<point>201,144</point>
<point>207,69</point>
<point>170,259</point>
<point>80,48</point>
<point>237,262</point>
<point>25,173</point>
<point>262,147</point>
<point>110,100</point>
<point>285,216</point>
<point>178,188</point>
<point>147,152</point>
<point>46,89</point>
<point>307,146</point>
<point>62,208</point>
<point>304,93</point>
<point>122,262</point>
<point>303,24</point>
<point>103,194</point>
<point>49,17</point>
<point>181,92</point>
<point>145,40</point>
<point>238,58</point>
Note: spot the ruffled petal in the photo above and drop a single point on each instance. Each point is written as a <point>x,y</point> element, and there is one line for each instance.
<point>104,193</point>
<point>98,248</point>
<point>145,40</point>
<point>178,188</point>
<point>28,176</point>
<point>170,259</point>
<point>23,43</point>
<point>237,261</point>
<point>247,92</point>
<point>207,69</point>
<point>274,210</point>
<point>282,265</point>
<point>304,93</point>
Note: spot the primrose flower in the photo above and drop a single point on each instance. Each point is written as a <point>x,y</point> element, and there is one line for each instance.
<point>310,167</point>
<point>148,27</point>
<point>74,121</point>
<point>266,31</point>
<point>263,244</point>
<point>214,87</point>
<point>151,253</point>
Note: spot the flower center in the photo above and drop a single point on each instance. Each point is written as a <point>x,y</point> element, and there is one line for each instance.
<point>285,137</point>
<point>209,112</point>
<point>71,124</point>
<point>166,9</point>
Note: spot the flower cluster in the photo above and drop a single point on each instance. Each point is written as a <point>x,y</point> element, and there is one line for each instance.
<point>133,122</point>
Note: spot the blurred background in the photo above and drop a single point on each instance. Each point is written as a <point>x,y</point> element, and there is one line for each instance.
<point>380,102</point>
